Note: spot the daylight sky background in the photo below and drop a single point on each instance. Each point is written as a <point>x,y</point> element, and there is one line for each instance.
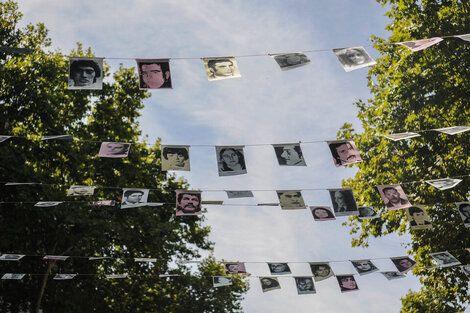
<point>264,106</point>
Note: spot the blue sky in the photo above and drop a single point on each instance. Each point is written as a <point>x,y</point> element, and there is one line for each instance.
<point>265,105</point>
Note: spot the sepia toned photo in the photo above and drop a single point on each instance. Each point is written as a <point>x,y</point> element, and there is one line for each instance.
<point>154,74</point>
<point>289,154</point>
<point>188,202</point>
<point>288,61</point>
<point>464,210</point>
<point>344,152</point>
<point>403,264</point>
<point>394,197</point>
<point>291,199</point>
<point>85,73</point>
<point>321,270</point>
<point>234,268</point>
<point>221,68</point>
<point>353,58</point>
<point>343,201</point>
<point>366,212</point>
<point>418,218</point>
<point>220,281</point>
<point>175,158</point>
<point>279,268</point>
<point>444,259</point>
<point>443,183</point>
<point>401,136</point>
<point>347,283</point>
<point>233,194</point>
<point>322,213</point>
<point>77,190</point>
<point>230,160</point>
<point>269,283</point>
<point>114,150</point>
<point>417,45</point>
<point>364,267</point>
<point>305,285</point>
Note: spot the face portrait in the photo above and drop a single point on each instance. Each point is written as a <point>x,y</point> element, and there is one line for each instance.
<point>322,213</point>
<point>279,268</point>
<point>132,198</point>
<point>321,271</point>
<point>269,283</point>
<point>85,73</point>
<point>305,285</point>
<point>404,264</point>
<point>445,259</point>
<point>344,152</point>
<point>394,197</point>
<point>290,155</point>
<point>221,68</point>
<point>355,56</point>
<point>81,191</point>
<point>154,74</point>
<point>291,60</point>
<point>393,275</point>
<point>465,210</point>
<point>234,268</point>
<point>343,202</point>
<point>231,160</point>
<point>233,194</point>
<point>188,203</point>
<point>175,158</point>
<point>291,200</point>
<point>367,211</point>
<point>339,199</point>
<point>114,149</point>
<point>364,266</point>
<point>347,283</point>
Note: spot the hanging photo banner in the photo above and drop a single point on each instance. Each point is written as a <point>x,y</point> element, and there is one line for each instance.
<point>291,199</point>
<point>321,270</point>
<point>347,283</point>
<point>288,61</point>
<point>13,276</point>
<point>133,198</point>
<point>55,257</point>
<point>114,149</point>
<point>11,257</point>
<point>234,268</point>
<point>46,204</point>
<point>279,268</point>
<point>58,137</point>
<point>445,259</point>
<point>221,68</point>
<point>394,197</point>
<point>78,190</point>
<point>230,160</point>
<point>64,276</point>
<point>343,201</point>
<point>117,276</point>
<point>4,138</point>
<point>404,263</point>
<point>322,213</point>
<point>269,283</point>
<point>401,136</point>
<point>364,267</point>
<point>175,158</point>
<point>154,74</point>
<point>289,154</point>
<point>366,212</point>
<point>465,37</point>
<point>188,202</point>
<point>344,152</point>
<point>305,285</point>
<point>15,50</point>
<point>392,275</point>
<point>353,58</point>
<point>444,183</point>
<point>233,194</point>
<point>418,218</point>
<point>86,73</point>
<point>220,281</point>
<point>464,210</point>
<point>417,45</point>
<point>453,130</point>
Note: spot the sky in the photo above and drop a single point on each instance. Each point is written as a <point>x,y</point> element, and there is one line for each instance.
<point>265,106</point>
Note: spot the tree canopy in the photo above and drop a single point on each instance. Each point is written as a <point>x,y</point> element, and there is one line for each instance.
<point>35,102</point>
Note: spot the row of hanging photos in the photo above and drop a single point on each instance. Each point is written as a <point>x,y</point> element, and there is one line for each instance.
<point>231,159</point>
<point>305,284</point>
<point>87,73</point>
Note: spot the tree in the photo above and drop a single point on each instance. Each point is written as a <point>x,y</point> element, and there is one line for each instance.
<point>424,90</point>
<point>34,101</point>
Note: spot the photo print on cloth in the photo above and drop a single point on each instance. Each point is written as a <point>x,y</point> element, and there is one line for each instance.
<point>188,202</point>
<point>343,201</point>
<point>288,61</point>
<point>11,257</point>
<point>353,58</point>
<point>401,136</point>
<point>347,283</point>
<point>175,158</point>
<point>453,130</point>
<point>13,276</point>
<point>114,150</point>
<point>85,73</point>
<point>219,281</point>
<point>321,270</point>
<point>233,194</point>
<point>344,152</point>
<point>154,74</point>
<point>418,217</point>
<point>134,197</point>
<point>464,210</point>
<point>364,267</point>
<point>305,285</point>
<point>403,263</point>
<point>391,275</point>
<point>366,212</point>
<point>443,183</point>
<point>291,199</point>
<point>234,268</point>
<point>445,259</point>
<point>279,268</point>
<point>230,160</point>
<point>78,190</point>
<point>221,68</point>
<point>269,283</point>
<point>289,154</point>
<point>322,213</point>
<point>394,197</point>
<point>417,45</point>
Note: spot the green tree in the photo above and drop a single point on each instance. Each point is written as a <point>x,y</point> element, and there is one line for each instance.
<point>418,91</point>
<point>34,102</point>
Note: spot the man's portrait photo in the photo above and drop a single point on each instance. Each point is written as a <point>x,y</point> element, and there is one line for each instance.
<point>418,217</point>
<point>279,268</point>
<point>78,190</point>
<point>86,73</point>
<point>11,257</point>
<point>364,267</point>
<point>175,158</point>
<point>444,183</point>
<point>289,154</point>
<point>394,197</point>
<point>403,263</point>
<point>230,160</point>
<point>344,152</point>
<point>233,194</point>
<point>234,268</point>
<point>221,68</point>
<point>353,58</point>
<point>321,270</point>
<point>366,212</point>
<point>188,202</point>
<point>114,149</point>
<point>464,210</point>
<point>269,283</point>
<point>417,45</point>
<point>343,201</point>
<point>445,259</point>
<point>288,61</point>
<point>133,198</point>
<point>391,275</point>
<point>304,285</point>
<point>347,283</point>
<point>322,213</point>
<point>13,276</point>
<point>154,73</point>
<point>219,281</point>
<point>291,199</point>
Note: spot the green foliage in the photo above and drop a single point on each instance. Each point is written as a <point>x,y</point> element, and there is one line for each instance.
<point>418,91</point>
<point>34,101</point>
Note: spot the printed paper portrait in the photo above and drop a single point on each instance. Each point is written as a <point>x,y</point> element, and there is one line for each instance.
<point>464,210</point>
<point>305,285</point>
<point>133,198</point>
<point>347,283</point>
<point>56,257</point>
<point>269,283</point>
<point>418,217</point>
<point>444,183</point>
<point>234,268</point>
<point>221,68</point>
<point>288,61</point>
<point>321,270</point>
<point>230,160</point>
<point>46,204</point>
<point>344,152</point>
<point>11,257</point>
<point>401,136</point>
<point>13,276</point>
<point>394,197</point>
<point>219,281</point>
<point>232,194</point>
<point>188,202</point>
<point>86,73</point>
<point>114,150</point>
<point>343,202</point>
<point>353,58</point>
<point>466,270</point>
<point>444,259</point>
<point>154,74</point>
<point>403,264</point>
<point>417,45</point>
<point>322,213</point>
<point>291,199</point>
<point>77,190</point>
<point>64,276</point>
<point>366,212</point>
<point>289,154</point>
<point>279,268</point>
<point>391,275</point>
<point>453,130</point>
<point>364,267</point>
<point>175,158</point>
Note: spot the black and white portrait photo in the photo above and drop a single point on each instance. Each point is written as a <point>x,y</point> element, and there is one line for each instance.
<point>343,201</point>
<point>401,136</point>
<point>15,276</point>
<point>464,210</point>
<point>234,268</point>
<point>269,283</point>
<point>154,74</point>
<point>305,285</point>
<point>289,154</point>
<point>230,160</point>
<point>444,183</point>
<point>188,202</point>
<point>403,263</point>
<point>391,275</point>
<point>219,281</point>
<point>418,217</point>
<point>279,268</point>
<point>11,257</point>
<point>133,198</point>
<point>445,259</point>
<point>288,61</point>
<point>291,199</point>
<point>364,267</point>
<point>114,150</point>
<point>46,204</point>
<point>86,73</point>
<point>347,283</point>
<point>322,213</point>
<point>321,270</point>
<point>353,58</point>
<point>233,194</point>
<point>453,130</point>
<point>394,197</point>
<point>78,190</point>
<point>56,257</point>
<point>366,212</point>
<point>221,68</point>
<point>417,45</point>
<point>344,152</point>
<point>466,270</point>
<point>64,276</point>
<point>175,158</point>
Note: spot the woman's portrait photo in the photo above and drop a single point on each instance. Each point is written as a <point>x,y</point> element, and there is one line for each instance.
<point>347,283</point>
<point>353,58</point>
<point>230,160</point>
<point>269,283</point>
<point>322,213</point>
<point>403,264</point>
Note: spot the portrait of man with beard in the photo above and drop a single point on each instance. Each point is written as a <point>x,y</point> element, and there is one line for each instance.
<point>188,202</point>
